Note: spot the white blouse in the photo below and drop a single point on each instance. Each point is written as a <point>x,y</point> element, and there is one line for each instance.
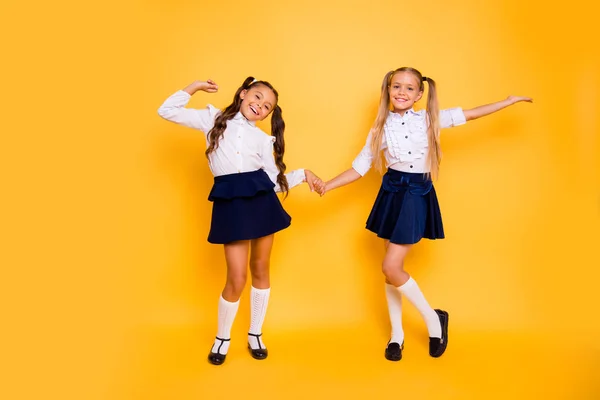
<point>243,148</point>
<point>404,142</point>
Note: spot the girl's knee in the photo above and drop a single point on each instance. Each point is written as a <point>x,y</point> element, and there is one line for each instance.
<point>391,270</point>
<point>237,283</point>
<point>259,268</point>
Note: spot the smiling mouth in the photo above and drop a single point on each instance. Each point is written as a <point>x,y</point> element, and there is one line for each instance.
<point>401,100</point>
<point>253,110</point>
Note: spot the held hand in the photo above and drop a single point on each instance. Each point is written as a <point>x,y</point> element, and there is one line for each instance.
<point>310,178</point>
<point>516,99</point>
<point>320,187</point>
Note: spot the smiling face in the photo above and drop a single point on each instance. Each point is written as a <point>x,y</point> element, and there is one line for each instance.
<point>257,102</point>
<point>405,90</point>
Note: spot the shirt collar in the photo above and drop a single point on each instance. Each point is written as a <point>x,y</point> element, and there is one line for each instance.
<point>407,114</point>
<point>239,117</point>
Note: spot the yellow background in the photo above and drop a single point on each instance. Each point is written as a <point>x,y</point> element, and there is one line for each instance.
<point>109,288</point>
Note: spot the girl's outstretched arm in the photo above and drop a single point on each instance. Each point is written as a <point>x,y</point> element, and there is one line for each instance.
<point>174,108</point>
<point>342,179</point>
<point>488,109</point>
<point>360,166</point>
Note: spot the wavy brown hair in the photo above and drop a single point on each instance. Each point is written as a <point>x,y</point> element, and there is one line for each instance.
<point>277,128</point>
<point>434,156</point>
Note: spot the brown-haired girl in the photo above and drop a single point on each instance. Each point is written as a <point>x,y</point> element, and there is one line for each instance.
<point>248,168</point>
<point>406,208</point>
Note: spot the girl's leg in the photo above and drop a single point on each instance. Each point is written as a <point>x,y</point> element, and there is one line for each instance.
<point>393,269</point>
<point>236,256</point>
<point>393,263</point>
<point>259,296</point>
<point>393,351</point>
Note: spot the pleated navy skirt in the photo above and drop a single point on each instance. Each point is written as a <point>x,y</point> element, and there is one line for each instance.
<point>406,209</point>
<point>245,207</point>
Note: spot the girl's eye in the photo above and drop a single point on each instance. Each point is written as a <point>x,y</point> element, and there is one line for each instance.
<point>256,96</point>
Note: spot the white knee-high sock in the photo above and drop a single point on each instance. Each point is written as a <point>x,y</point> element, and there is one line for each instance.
<point>226,311</point>
<point>411,290</point>
<point>259,300</point>
<point>394,301</point>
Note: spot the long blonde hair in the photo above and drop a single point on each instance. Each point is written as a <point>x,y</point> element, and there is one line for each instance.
<point>434,155</point>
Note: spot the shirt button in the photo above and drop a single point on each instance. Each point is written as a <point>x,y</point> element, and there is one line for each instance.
<point>405,137</point>
<point>403,123</point>
<point>411,166</point>
<point>409,152</point>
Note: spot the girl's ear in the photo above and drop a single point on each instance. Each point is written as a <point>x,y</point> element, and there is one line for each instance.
<point>419,96</point>
<point>243,93</point>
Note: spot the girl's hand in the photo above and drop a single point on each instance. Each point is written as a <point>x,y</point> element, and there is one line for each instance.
<point>311,178</point>
<point>209,86</point>
<point>320,187</point>
<point>516,99</point>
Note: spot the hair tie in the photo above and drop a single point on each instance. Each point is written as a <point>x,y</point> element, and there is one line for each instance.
<point>254,81</point>
<point>424,78</point>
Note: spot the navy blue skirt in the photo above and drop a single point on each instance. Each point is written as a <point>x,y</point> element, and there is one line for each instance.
<point>406,209</point>
<point>245,207</point>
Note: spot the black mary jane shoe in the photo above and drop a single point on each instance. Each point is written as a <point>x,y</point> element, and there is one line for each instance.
<point>260,353</point>
<point>217,358</point>
<point>393,351</point>
<point>437,346</point>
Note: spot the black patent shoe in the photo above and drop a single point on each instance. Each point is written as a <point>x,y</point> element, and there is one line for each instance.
<point>393,351</point>
<point>260,353</point>
<point>218,358</point>
<point>437,346</point>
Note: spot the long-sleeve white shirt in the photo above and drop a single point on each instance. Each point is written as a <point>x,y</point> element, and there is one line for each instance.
<point>404,144</point>
<point>243,148</point>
